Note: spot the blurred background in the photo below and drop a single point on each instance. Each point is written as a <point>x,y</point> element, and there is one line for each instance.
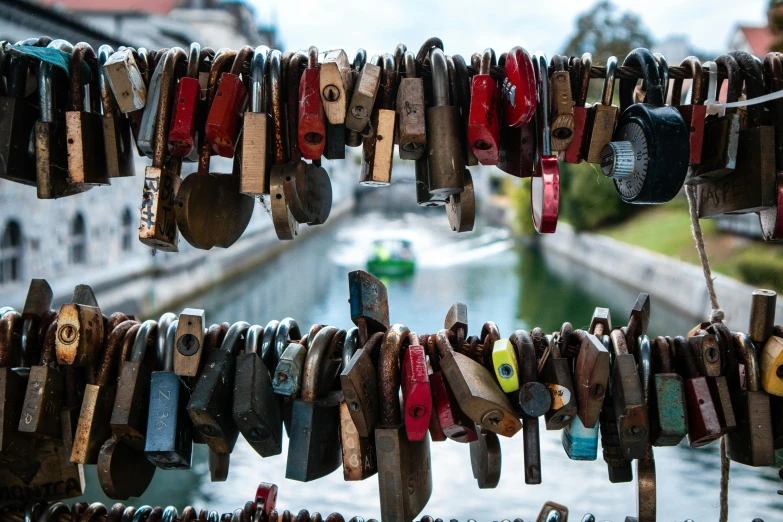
<point>604,253</point>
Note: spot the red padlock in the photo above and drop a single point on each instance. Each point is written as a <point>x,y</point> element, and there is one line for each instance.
<point>225,115</point>
<point>483,124</point>
<point>453,421</point>
<point>694,113</point>
<point>416,391</point>
<point>312,121</point>
<point>185,115</point>
<point>575,153</point>
<point>266,499</point>
<point>519,88</point>
<point>545,183</point>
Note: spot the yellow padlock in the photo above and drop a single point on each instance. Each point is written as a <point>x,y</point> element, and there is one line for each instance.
<point>504,359</point>
<point>772,366</point>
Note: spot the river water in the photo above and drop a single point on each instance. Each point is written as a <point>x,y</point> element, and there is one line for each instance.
<point>500,280</point>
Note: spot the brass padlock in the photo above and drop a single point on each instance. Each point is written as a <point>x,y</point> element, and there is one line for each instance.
<point>257,126</point>
<point>411,112</point>
<point>378,149</point>
<point>80,329</point>
<point>602,116</point>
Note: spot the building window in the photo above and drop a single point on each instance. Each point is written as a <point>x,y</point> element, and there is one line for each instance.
<point>127,231</point>
<point>11,253</point>
<point>78,240</point>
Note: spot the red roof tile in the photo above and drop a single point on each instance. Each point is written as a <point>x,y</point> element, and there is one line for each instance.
<point>161,7</point>
<point>760,39</point>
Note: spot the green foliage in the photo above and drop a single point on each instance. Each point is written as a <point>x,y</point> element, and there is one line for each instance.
<point>519,191</point>
<point>605,31</point>
<point>761,270</point>
<point>588,199</point>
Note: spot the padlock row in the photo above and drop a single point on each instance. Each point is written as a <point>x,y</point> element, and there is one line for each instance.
<point>518,112</point>
<point>81,388</point>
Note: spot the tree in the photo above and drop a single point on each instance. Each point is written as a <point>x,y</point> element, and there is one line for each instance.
<point>604,31</point>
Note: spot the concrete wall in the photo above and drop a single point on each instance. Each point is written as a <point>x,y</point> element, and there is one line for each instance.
<point>671,283</point>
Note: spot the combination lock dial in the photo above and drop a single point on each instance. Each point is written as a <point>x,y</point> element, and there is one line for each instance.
<point>648,156</point>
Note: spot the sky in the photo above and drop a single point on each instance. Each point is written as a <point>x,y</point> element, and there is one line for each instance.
<point>464,27</point>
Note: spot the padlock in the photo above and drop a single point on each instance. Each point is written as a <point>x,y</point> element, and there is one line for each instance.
<point>359,461</point>
<point>484,120</point>
<point>552,512</point>
<point>555,374</point>
<point>461,208</point>
<point>580,443</point>
<point>158,225</point>
<point>591,376</point>
<point>292,75</point>
<point>257,128</point>
<point>359,385</point>
<point>562,108</point>
<point>224,121</point>
<point>721,133</point>
<point>169,441</point>
<point>145,138</point>
<point>411,112</point>
<point>369,304</point>
<point>123,73</point>
<point>229,210</point>
<point>40,413</point>
<point>751,187</point>
<point>117,141</point>
<point>123,471</point>
<point>308,191</point>
<point>771,219</point>
<point>189,343</point>
<point>83,123</point>
<point>378,149</point>
<point>708,357</point>
<point>762,319</point>
<point>314,450</point>
<point>289,371</point>
<point>186,113</point>
<point>478,396</point>
<point>444,147</point>
<point>416,390</point>
<point>452,422</point>
<point>14,446</point>
<point>630,411</point>
<point>519,88</point>
<point>335,85</point>
<point>129,415</point>
<point>602,116</point>
<point>36,318</point>
<point>93,428</point>
<point>17,120</point>
<point>545,183</point>
<point>211,400</point>
<point>504,361</point>
<point>577,148</point>
<point>80,329</point>
<point>312,120</point>
<point>404,466</point>
<point>694,112</point>
<point>751,443</point>
<point>641,172</point>
<point>357,116</point>
<point>256,410</point>
<point>485,459</point>
<point>667,412</point>
<point>51,151</point>
<point>460,95</point>
<point>703,424</point>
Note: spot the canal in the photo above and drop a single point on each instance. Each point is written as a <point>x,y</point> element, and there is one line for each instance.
<point>499,280</point>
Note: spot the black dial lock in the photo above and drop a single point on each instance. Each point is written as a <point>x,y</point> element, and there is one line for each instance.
<point>648,155</point>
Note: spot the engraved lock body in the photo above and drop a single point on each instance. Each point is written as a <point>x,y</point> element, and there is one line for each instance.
<point>83,123</point>
<point>648,157</point>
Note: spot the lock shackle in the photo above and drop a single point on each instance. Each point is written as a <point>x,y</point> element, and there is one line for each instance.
<point>194,57</point>
<point>697,94</point>
<point>440,78</point>
<point>685,357</point>
<point>144,337</point>
<point>730,68</point>
<point>173,56</point>
<point>359,60</point>
<point>275,104</point>
<point>49,350</point>
<point>46,77</point>
<point>312,57</point>
<point>164,321</point>
<point>142,513</point>
<point>644,363</point>
<point>259,68</point>
<point>10,326</point>
<point>413,339</point>
<point>586,63</point>
<point>619,344</point>
<point>753,74</point>
<point>166,363</point>
<point>287,331</point>
<point>663,71</point>
<point>316,355</point>
<point>144,64</point>
<point>243,58</point>
<point>607,90</point>
<point>223,62</point>
<point>426,48</point>
<point>488,60</point>
<point>214,336</point>
<point>558,64</point>
<point>335,348</point>
<point>746,353</point>
<point>170,514</point>
<point>389,415</point>
<point>540,67</point>
<point>108,103</point>
<point>351,345</point>
<point>82,52</point>
<point>399,56</point>
<point>663,355</point>
<point>113,352</point>
<point>526,356</point>
<point>773,72</point>
<point>253,338</point>
<point>463,83</point>
<point>231,343</point>
<point>645,60</point>
<point>17,73</point>
<point>127,342</point>
<point>373,344</point>
<point>295,68</point>
<point>410,65</point>
<point>267,348</point>
<point>387,89</point>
